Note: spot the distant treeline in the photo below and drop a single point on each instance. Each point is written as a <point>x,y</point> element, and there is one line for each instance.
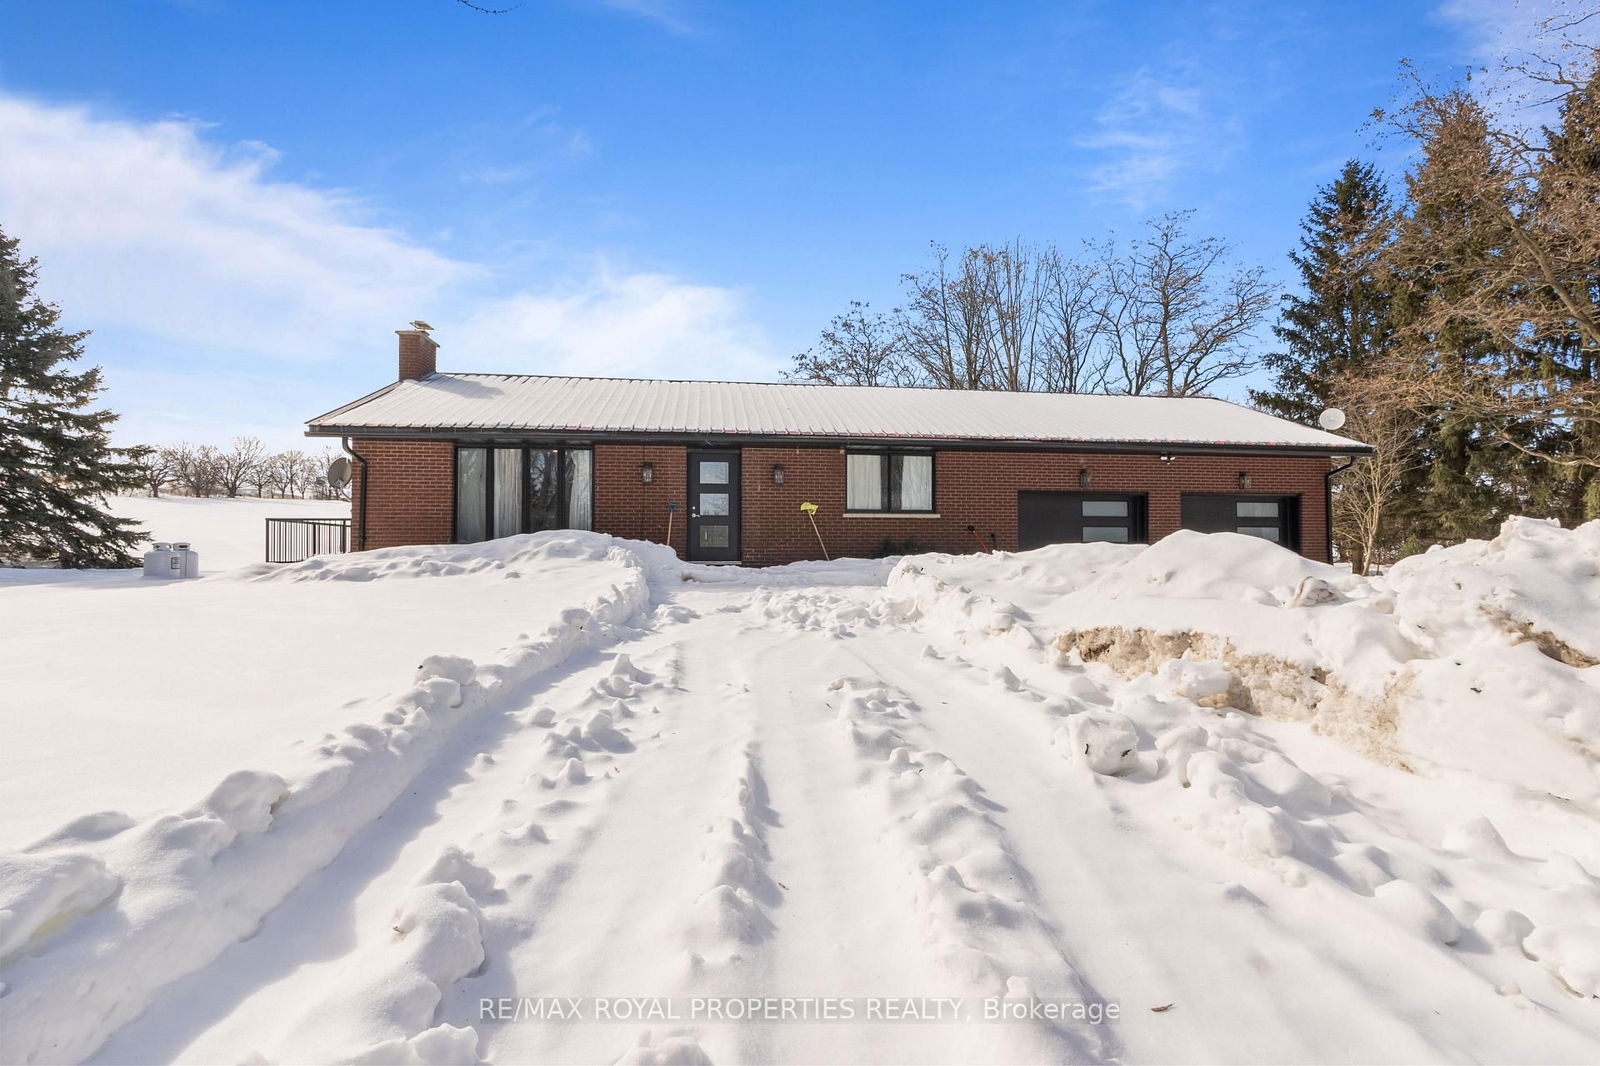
<point>244,468</point>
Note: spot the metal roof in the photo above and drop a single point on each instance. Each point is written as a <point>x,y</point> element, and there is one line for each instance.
<point>487,403</point>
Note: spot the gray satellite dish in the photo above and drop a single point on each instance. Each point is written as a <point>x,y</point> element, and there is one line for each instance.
<point>339,472</point>
<point>1331,419</point>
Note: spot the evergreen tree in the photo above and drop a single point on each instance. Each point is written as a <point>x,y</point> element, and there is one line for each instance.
<point>56,461</point>
<point>1341,321</point>
<point>1566,206</point>
<point>1452,228</point>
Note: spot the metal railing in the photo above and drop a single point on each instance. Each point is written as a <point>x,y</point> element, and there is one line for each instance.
<point>291,540</point>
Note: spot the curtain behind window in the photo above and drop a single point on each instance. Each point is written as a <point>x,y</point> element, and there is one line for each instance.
<point>580,489</point>
<point>471,518</point>
<point>507,491</point>
<point>863,482</point>
<point>916,482</point>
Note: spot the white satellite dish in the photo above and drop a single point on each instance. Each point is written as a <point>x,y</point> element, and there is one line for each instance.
<point>339,472</point>
<point>1331,419</point>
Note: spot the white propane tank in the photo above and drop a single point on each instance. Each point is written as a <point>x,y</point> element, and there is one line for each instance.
<point>187,563</point>
<point>158,561</point>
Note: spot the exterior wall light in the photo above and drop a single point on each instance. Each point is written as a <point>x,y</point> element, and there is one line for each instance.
<point>1085,477</point>
<point>647,472</point>
<point>777,473</point>
<point>1166,457</point>
<point>1244,479</point>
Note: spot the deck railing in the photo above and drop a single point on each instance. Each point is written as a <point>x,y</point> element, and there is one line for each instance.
<point>291,540</point>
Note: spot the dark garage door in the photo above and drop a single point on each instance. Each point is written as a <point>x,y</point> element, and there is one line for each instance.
<point>1076,517</point>
<point>1274,518</point>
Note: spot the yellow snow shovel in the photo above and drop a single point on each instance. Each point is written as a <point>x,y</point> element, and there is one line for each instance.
<point>810,510</point>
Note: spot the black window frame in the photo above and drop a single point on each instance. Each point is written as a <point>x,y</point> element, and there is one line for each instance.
<point>563,491</point>
<point>1136,521</point>
<point>1227,503</point>
<point>889,485</point>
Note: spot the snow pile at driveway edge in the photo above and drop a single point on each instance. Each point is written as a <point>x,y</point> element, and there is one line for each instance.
<point>1481,657</point>
<point>99,916</point>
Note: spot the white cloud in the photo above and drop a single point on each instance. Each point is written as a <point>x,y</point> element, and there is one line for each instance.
<point>148,227</point>
<point>618,324</point>
<point>224,299</point>
<point>1152,129</point>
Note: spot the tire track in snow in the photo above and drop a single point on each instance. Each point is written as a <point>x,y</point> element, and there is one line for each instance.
<point>978,932</point>
<point>1007,724</point>
<point>977,899</point>
<point>845,926</point>
<point>670,895</point>
<point>1106,878</point>
<point>1243,790</point>
<point>314,939</point>
<point>587,746</point>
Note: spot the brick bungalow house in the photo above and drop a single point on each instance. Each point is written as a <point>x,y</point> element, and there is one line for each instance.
<point>442,458</point>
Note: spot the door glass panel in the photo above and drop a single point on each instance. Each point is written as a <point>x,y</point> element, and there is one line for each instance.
<point>715,536</point>
<point>544,486</point>
<point>1257,509</point>
<point>1265,532</point>
<point>471,514</point>
<point>1114,534</point>
<point>580,489</point>
<point>507,491</point>
<point>713,472</point>
<point>713,504</point>
<point>1105,508</point>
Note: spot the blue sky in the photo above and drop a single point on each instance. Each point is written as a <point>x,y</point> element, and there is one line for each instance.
<point>242,199</point>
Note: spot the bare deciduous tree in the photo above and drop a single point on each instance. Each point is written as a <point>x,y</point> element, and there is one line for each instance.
<point>237,465</point>
<point>1381,414</point>
<point>1171,315</point>
<point>1012,280</point>
<point>194,468</point>
<point>1070,356</point>
<point>859,347</point>
<point>1175,314</point>
<point>155,469</point>
<point>946,321</point>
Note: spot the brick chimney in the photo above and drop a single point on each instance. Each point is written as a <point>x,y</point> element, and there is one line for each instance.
<point>419,353</point>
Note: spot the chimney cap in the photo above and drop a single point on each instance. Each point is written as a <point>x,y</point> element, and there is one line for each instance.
<point>419,324</point>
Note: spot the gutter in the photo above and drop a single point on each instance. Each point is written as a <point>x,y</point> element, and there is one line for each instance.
<point>1327,500</point>
<point>361,521</point>
<point>589,436</point>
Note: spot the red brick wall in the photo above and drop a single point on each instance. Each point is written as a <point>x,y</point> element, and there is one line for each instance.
<point>980,489</point>
<point>411,495</point>
<point>625,506</point>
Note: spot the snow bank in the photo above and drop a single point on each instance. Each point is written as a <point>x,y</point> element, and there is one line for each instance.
<point>1535,582</point>
<point>501,556</point>
<point>1478,658</point>
<point>102,914</point>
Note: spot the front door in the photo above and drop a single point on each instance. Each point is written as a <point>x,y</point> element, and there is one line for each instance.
<point>714,506</point>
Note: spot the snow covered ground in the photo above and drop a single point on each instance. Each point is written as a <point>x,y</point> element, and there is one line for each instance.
<point>1203,801</point>
<point>227,533</point>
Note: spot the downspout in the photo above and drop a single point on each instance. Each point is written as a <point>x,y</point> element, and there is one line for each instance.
<point>361,507</point>
<point>1327,501</point>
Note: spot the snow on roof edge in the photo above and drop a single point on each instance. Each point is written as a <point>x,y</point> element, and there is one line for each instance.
<point>479,403</point>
